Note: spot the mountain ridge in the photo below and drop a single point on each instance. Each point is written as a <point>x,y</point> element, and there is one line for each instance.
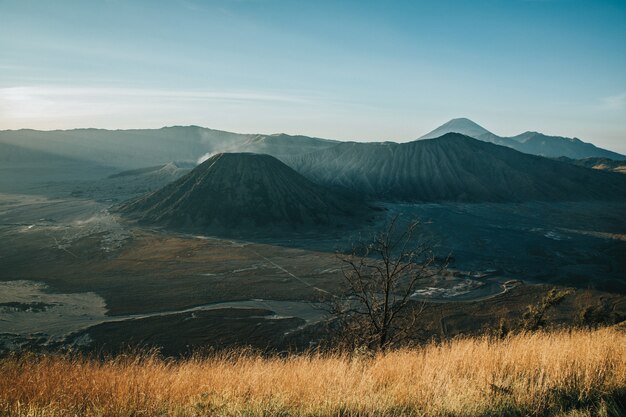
<point>127,149</point>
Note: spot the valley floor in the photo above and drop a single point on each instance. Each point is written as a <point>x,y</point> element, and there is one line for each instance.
<point>564,373</point>
<point>72,272</point>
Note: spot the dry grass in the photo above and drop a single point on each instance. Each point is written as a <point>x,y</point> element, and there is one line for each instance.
<point>567,373</point>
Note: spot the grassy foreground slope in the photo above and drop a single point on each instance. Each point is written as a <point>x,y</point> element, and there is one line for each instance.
<point>564,373</point>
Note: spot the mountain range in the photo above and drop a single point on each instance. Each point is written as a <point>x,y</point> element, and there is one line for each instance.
<point>116,150</point>
<point>533,143</point>
<point>247,193</point>
<point>139,148</point>
<point>475,166</point>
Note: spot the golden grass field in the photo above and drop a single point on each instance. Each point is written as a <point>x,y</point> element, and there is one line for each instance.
<point>562,373</point>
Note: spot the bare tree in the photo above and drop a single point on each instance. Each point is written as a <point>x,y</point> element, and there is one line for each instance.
<point>376,308</point>
<point>534,317</point>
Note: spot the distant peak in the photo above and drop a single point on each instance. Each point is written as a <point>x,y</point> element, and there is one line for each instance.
<point>461,125</point>
<point>462,119</point>
<point>465,123</point>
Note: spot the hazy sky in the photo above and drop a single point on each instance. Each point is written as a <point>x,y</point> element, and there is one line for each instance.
<point>363,70</point>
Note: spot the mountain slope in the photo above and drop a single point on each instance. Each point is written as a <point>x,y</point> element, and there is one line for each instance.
<point>533,143</point>
<point>128,184</point>
<point>21,168</point>
<point>453,168</point>
<point>242,192</point>
<point>165,169</point>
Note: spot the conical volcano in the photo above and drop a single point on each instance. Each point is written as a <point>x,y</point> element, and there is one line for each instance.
<point>243,192</point>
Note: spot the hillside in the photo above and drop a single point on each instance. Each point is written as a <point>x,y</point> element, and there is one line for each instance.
<point>605,164</point>
<point>129,184</point>
<point>242,192</point>
<point>21,167</point>
<point>567,373</point>
<point>453,168</point>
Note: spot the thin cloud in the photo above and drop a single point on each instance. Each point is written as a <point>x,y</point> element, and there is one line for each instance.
<point>58,107</point>
<point>616,102</point>
<point>92,92</point>
<point>49,102</point>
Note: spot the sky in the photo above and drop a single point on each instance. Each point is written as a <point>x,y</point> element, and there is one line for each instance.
<point>351,70</point>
